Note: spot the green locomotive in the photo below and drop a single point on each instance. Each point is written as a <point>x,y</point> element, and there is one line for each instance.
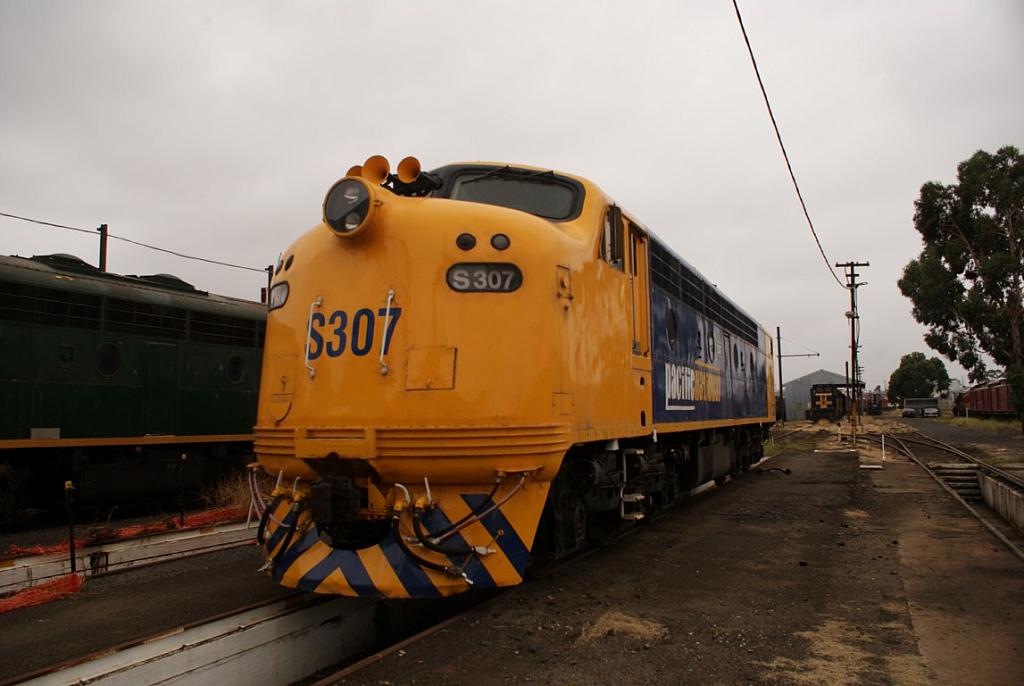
<point>133,387</point>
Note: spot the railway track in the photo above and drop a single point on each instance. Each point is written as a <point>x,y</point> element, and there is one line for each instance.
<point>802,432</point>
<point>278,642</point>
<point>131,547</point>
<point>25,571</point>
<point>273,643</point>
<point>1009,477</point>
<point>903,446</point>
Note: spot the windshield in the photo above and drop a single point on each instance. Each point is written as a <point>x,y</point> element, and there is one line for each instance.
<point>539,193</point>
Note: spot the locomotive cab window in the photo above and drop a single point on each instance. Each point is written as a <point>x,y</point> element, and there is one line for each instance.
<point>636,244</point>
<point>613,248</point>
<point>539,193</point>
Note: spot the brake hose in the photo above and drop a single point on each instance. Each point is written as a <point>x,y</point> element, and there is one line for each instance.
<point>291,532</point>
<point>264,518</point>
<point>473,513</point>
<point>417,527</point>
<point>450,570</point>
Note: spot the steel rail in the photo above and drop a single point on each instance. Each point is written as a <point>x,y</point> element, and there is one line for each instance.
<point>877,437</point>
<point>270,644</point>
<point>785,435</point>
<point>1014,548</point>
<point>936,443</point>
<point>939,445</point>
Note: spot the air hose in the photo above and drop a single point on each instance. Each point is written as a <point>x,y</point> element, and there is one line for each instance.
<point>450,570</point>
<point>264,518</point>
<point>474,513</point>
<point>296,508</point>
<point>417,527</point>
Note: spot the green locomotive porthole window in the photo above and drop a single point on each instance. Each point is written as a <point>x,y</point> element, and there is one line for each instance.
<point>236,369</point>
<point>108,359</point>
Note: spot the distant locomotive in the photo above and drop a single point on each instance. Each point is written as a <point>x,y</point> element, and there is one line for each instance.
<point>499,372</point>
<point>828,401</point>
<point>989,399</point>
<point>874,402</point>
<point>108,380</point>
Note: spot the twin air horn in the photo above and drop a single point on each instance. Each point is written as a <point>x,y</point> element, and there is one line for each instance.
<point>410,179</point>
<point>351,205</point>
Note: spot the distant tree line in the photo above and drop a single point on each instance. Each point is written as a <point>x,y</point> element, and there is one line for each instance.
<point>917,377</point>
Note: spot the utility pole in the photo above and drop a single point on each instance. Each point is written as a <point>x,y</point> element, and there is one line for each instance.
<point>849,389</point>
<point>778,348</point>
<point>851,285</point>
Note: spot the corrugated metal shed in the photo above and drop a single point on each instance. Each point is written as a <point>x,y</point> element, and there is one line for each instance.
<point>798,391</point>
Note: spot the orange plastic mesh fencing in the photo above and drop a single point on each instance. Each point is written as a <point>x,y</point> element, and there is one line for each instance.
<point>218,516</point>
<point>106,534</point>
<point>61,587</point>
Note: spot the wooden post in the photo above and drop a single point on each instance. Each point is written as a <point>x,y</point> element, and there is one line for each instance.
<point>69,504</point>
<point>103,247</point>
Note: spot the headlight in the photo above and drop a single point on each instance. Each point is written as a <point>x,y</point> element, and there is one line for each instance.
<point>348,207</point>
<point>278,295</point>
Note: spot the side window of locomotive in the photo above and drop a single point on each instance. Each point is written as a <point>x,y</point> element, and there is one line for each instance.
<point>636,245</point>
<point>612,246</point>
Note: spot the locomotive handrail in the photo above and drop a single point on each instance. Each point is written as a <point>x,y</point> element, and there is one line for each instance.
<point>309,333</point>
<point>384,338</point>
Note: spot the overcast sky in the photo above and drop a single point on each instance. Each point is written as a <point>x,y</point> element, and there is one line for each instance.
<point>215,128</point>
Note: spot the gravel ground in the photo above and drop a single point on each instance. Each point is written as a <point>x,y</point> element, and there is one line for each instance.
<point>830,575</point>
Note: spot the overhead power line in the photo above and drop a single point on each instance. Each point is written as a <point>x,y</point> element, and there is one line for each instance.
<point>799,345</point>
<point>785,155</point>
<point>129,240</point>
<point>39,221</point>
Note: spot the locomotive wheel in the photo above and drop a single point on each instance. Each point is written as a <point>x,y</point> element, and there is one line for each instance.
<point>667,495</point>
<point>574,523</point>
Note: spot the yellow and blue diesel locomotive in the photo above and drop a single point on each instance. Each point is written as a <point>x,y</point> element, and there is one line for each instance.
<point>473,369</point>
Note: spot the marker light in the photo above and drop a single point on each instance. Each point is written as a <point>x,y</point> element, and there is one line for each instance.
<point>278,295</point>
